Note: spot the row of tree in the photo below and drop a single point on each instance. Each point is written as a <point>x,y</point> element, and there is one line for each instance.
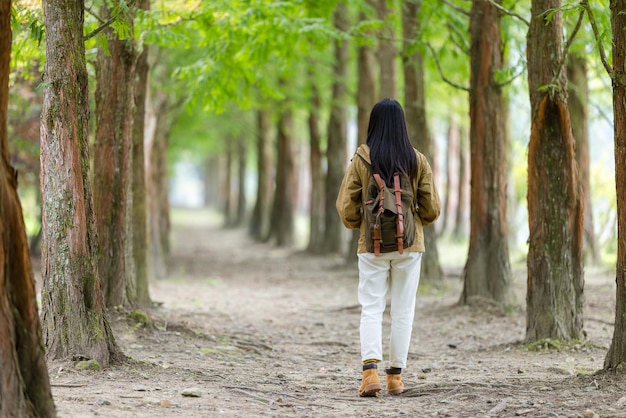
<point>99,209</point>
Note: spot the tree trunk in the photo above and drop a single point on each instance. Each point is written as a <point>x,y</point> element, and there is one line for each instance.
<point>227,208</point>
<point>113,195</point>
<point>617,352</point>
<point>366,87</point>
<point>24,383</point>
<point>487,273</point>
<point>337,135</point>
<point>316,208</point>
<point>140,212</point>
<point>72,299</point>
<point>211,174</point>
<point>241,180</point>
<point>282,221</point>
<point>387,51</point>
<point>453,155</point>
<point>555,269</point>
<point>259,224</point>
<point>417,124</point>
<point>156,183</point>
<point>461,215</point>
<point>577,99</point>
<point>365,100</point>
<point>161,177</point>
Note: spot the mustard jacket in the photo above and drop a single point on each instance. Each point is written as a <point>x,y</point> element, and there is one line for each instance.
<point>354,186</point>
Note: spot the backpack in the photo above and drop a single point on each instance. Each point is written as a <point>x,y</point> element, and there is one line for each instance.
<point>389,218</point>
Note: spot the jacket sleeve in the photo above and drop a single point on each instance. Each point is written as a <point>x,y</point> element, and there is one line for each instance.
<point>349,200</point>
<point>428,203</point>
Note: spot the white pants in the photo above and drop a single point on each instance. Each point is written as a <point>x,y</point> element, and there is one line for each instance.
<point>397,275</point>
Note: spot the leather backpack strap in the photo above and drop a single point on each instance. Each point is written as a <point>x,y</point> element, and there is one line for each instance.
<point>397,190</point>
<point>376,236</point>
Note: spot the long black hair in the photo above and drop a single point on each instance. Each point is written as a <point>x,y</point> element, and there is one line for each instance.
<point>390,148</point>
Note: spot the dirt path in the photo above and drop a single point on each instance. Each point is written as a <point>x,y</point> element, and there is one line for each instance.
<point>248,330</point>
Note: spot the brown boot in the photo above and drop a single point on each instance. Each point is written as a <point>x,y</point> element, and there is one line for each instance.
<point>371,382</point>
<point>394,381</point>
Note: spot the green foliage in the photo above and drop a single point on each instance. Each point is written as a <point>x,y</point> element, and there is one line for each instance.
<point>213,58</point>
<point>123,18</point>
<point>568,9</point>
<point>602,17</point>
<point>233,46</point>
<point>445,45</point>
<point>197,134</point>
<point>506,74</point>
<point>221,56</point>
<point>27,49</point>
<point>514,33</point>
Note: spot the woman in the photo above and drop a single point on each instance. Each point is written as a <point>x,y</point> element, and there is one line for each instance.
<point>388,150</point>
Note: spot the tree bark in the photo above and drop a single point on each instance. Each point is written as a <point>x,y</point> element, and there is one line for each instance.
<point>113,194</point>
<point>316,208</point>
<point>387,52</point>
<point>227,208</point>
<point>241,180</point>
<point>24,383</point>
<point>211,174</point>
<point>73,311</point>
<point>417,124</point>
<point>162,190</point>
<point>366,87</point>
<point>554,296</point>
<point>577,99</point>
<point>487,272</point>
<point>157,131</point>
<point>616,355</point>
<point>365,100</point>
<point>453,155</point>
<point>259,224</point>
<point>140,211</point>
<point>337,135</point>
<point>461,215</point>
<point>282,220</point>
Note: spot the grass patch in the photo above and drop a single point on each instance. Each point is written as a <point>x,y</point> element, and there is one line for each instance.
<point>546,344</point>
<point>139,319</point>
<point>550,344</point>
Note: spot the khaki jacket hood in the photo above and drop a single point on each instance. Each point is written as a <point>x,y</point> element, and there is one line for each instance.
<point>354,186</point>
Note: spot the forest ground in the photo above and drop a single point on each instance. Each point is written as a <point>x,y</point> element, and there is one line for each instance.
<point>242,329</point>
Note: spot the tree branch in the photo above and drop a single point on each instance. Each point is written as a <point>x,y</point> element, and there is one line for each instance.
<point>443,77</point>
<point>510,80</point>
<point>508,12</point>
<point>575,31</point>
<point>568,43</point>
<point>459,35</point>
<point>457,8</point>
<point>99,29</point>
<point>596,34</point>
<point>91,12</point>
<point>106,23</point>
